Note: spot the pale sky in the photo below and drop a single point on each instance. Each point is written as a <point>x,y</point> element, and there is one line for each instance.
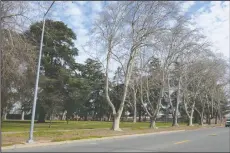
<point>211,16</point>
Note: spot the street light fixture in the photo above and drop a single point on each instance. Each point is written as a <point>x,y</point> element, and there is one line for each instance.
<point>37,80</point>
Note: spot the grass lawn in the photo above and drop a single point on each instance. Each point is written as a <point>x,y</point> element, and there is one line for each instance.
<point>74,130</point>
<point>20,126</point>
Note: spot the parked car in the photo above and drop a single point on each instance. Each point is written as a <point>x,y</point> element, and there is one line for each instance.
<point>227,122</point>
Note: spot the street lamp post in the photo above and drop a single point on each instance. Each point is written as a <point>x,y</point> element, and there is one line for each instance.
<point>1,48</point>
<point>37,80</point>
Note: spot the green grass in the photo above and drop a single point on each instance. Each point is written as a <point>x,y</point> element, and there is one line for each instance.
<point>77,130</point>
<point>20,126</point>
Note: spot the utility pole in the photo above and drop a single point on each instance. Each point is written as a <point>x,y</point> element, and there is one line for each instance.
<point>37,79</point>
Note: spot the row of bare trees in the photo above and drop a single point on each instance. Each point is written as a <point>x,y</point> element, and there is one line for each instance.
<point>162,59</point>
<point>164,64</point>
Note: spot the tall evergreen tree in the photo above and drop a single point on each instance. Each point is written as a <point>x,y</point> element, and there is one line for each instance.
<point>57,64</point>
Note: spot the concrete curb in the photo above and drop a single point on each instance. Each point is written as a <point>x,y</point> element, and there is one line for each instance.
<point>17,146</point>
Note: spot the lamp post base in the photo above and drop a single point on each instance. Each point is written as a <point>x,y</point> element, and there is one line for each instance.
<point>30,141</point>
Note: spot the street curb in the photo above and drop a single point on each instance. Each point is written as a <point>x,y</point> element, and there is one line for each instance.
<point>18,146</point>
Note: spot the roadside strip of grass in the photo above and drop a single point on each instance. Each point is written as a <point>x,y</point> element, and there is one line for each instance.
<point>16,131</point>
<point>24,126</point>
<point>78,134</point>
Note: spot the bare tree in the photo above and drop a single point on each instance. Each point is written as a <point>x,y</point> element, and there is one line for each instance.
<point>199,78</point>
<point>136,22</point>
<point>152,89</point>
<point>108,28</point>
<point>172,46</point>
<point>18,54</point>
<point>169,47</point>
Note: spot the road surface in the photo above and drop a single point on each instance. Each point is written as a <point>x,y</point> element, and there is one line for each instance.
<point>202,140</point>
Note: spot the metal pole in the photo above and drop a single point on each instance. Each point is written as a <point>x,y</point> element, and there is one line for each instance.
<point>36,86</point>
<point>1,48</point>
<point>37,79</point>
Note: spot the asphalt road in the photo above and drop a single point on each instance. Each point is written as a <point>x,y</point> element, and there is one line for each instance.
<point>202,140</point>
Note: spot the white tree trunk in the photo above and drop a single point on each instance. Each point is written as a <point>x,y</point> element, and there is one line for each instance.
<point>152,123</point>
<point>135,114</point>
<point>190,121</point>
<point>175,122</point>
<point>64,115</point>
<point>116,119</point>
<point>135,107</point>
<point>4,116</point>
<point>109,117</point>
<point>23,115</point>
<point>191,117</point>
<point>121,107</point>
<point>202,117</point>
<point>116,123</point>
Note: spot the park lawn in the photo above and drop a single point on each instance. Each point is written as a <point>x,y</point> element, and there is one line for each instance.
<point>24,126</point>
<point>76,134</point>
